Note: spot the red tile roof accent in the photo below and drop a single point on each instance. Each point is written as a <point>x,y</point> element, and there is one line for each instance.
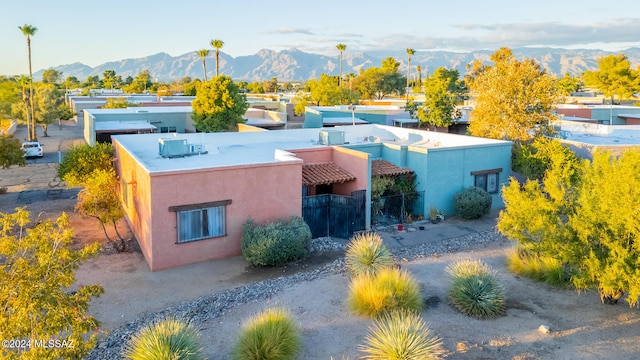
<point>324,174</point>
<point>385,168</point>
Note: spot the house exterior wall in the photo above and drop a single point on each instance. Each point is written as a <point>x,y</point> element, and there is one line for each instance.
<point>180,120</point>
<point>442,172</point>
<point>135,194</point>
<point>256,192</point>
<point>575,111</point>
<point>445,180</point>
<point>357,164</point>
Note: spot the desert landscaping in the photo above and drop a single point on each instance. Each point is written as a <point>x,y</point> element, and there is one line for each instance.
<point>218,296</point>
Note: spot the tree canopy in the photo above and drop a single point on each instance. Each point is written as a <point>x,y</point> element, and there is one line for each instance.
<point>219,105</point>
<point>513,99</point>
<point>585,215</point>
<point>37,274</point>
<point>376,83</point>
<point>11,152</point>
<point>439,108</point>
<point>614,77</point>
<point>81,161</point>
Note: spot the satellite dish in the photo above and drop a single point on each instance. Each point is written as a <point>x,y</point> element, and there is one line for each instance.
<point>372,138</point>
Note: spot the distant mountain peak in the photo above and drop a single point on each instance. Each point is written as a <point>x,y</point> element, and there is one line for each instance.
<point>296,65</point>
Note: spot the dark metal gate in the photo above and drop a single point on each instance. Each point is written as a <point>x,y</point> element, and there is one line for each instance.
<point>335,215</point>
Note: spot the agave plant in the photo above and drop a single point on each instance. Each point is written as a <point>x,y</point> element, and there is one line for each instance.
<point>166,339</point>
<point>401,335</point>
<point>390,289</point>
<point>475,290</point>
<point>367,254</point>
<point>269,335</point>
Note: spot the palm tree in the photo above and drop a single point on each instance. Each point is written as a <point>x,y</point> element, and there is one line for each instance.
<point>203,54</point>
<point>419,70</point>
<point>28,31</point>
<point>410,52</point>
<point>342,47</point>
<point>217,44</point>
<point>350,76</point>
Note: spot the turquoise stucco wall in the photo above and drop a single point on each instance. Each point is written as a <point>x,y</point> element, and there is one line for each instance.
<point>449,171</point>
<point>604,113</point>
<point>443,172</point>
<point>312,119</point>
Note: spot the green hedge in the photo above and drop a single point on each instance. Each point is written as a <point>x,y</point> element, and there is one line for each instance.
<point>276,243</point>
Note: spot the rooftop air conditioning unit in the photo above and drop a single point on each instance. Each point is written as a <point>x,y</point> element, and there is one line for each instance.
<point>172,147</point>
<point>331,137</point>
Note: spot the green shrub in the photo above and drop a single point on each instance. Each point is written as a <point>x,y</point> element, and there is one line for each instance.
<point>276,243</point>
<point>474,289</point>
<point>539,268</point>
<point>390,289</point>
<point>366,254</point>
<point>401,335</point>
<point>80,161</point>
<point>271,335</point>
<point>166,339</point>
<point>472,202</point>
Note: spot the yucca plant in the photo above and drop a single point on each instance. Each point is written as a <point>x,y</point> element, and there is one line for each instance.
<point>270,335</point>
<point>366,254</point>
<point>475,290</point>
<point>401,335</point>
<point>545,269</point>
<point>169,338</point>
<point>390,289</point>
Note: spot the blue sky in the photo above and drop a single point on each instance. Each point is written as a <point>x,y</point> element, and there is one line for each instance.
<point>95,32</point>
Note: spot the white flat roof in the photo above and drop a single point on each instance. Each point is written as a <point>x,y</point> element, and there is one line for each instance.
<point>251,148</point>
<point>142,109</point>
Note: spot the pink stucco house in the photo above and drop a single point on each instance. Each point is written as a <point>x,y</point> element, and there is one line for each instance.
<point>188,205</point>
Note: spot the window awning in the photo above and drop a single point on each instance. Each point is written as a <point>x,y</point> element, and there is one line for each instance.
<point>385,168</point>
<point>324,174</point>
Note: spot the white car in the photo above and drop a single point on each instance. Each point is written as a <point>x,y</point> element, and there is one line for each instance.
<point>32,149</point>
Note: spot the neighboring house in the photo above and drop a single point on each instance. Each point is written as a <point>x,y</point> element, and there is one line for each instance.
<point>601,114</point>
<point>186,196</point>
<point>100,124</point>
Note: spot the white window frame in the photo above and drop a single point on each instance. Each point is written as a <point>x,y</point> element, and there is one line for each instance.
<point>200,221</point>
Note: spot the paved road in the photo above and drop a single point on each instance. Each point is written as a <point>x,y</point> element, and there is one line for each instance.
<point>38,181</point>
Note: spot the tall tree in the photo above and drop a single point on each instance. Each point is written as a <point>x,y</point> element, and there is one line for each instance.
<point>410,52</point>
<point>28,31</point>
<point>341,47</point>
<point>37,274</point>
<point>219,105</point>
<point>16,110</point>
<point>109,79</point>
<point>202,54</point>
<point>217,44</point>
<point>376,83</point>
<point>513,99</point>
<point>419,71</point>
<point>71,82</point>
<point>614,78</point>
<point>50,106</point>
<point>51,76</point>
<point>439,107</point>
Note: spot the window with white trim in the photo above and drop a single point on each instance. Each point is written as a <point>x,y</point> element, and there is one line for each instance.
<point>201,221</point>
<point>487,180</point>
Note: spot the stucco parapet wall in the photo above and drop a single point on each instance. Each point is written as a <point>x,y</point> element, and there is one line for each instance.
<point>251,148</point>
<point>224,168</point>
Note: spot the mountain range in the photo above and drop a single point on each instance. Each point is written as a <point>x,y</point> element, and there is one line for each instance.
<point>296,65</point>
